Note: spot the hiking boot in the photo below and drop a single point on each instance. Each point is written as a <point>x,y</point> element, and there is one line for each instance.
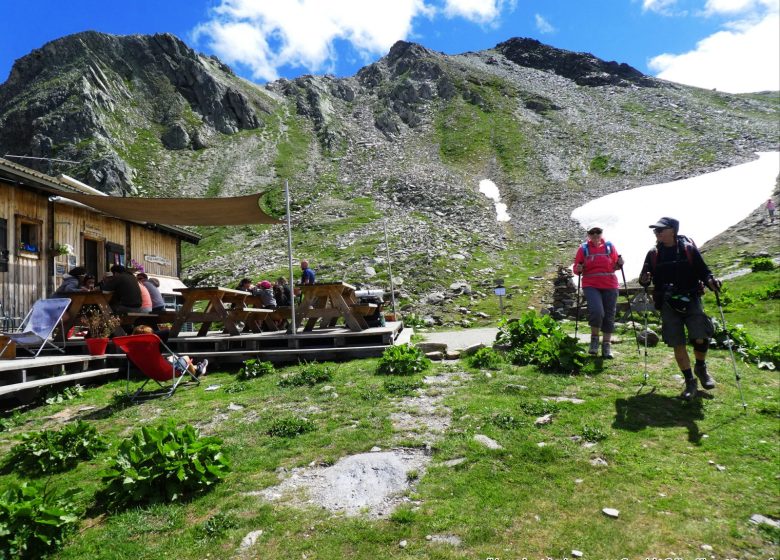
<point>200,369</point>
<point>594,346</point>
<point>606,351</point>
<point>690,390</point>
<point>707,382</point>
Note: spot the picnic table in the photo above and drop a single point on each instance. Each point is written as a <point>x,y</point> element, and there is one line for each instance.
<point>328,302</point>
<point>78,300</point>
<point>223,305</point>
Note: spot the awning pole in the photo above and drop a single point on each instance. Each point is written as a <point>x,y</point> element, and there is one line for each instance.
<point>389,269</point>
<point>289,254</point>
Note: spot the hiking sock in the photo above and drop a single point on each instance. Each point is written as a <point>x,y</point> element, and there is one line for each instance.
<point>687,374</point>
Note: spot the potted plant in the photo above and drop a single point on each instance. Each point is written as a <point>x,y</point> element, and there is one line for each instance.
<point>62,249</point>
<point>99,326</point>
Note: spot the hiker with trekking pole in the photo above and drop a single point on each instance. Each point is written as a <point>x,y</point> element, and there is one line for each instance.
<point>678,273</point>
<point>595,264</point>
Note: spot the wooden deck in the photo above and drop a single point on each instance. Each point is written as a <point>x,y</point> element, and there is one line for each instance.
<point>24,375</point>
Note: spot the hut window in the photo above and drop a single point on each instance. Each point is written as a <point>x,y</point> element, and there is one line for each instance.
<point>28,235</point>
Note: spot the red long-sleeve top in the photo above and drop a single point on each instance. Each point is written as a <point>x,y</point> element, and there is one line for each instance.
<point>599,269</point>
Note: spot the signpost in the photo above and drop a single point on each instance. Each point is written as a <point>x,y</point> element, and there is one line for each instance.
<point>500,291</point>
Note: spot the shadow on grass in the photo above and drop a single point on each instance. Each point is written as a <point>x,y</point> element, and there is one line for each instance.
<point>650,409</point>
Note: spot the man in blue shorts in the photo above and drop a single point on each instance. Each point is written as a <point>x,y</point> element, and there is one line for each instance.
<point>679,274</point>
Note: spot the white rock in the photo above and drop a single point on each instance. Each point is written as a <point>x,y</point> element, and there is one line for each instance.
<point>576,553</point>
<point>578,481</point>
<point>599,462</point>
<point>370,271</point>
<point>251,538</point>
<point>720,468</point>
<point>234,406</point>
<point>541,444</point>
<point>403,544</point>
<point>759,519</point>
<point>454,462</point>
<point>706,547</point>
<point>487,442</point>
<point>212,387</point>
<point>543,420</point>
<point>610,512</point>
<point>376,449</point>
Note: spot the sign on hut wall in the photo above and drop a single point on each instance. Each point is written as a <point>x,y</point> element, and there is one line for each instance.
<point>157,260</point>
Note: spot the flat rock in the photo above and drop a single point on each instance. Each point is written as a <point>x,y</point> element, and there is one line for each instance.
<point>470,350</point>
<point>432,347</point>
<point>250,539</point>
<point>611,512</point>
<point>452,540</point>
<point>543,420</point>
<point>759,519</point>
<point>487,442</point>
<point>454,462</point>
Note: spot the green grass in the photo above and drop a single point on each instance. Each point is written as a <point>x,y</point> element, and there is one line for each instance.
<point>523,500</point>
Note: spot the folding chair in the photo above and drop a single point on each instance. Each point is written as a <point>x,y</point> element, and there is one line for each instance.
<point>143,350</point>
<point>39,324</point>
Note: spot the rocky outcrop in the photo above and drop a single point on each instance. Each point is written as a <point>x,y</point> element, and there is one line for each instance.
<point>583,68</point>
<point>67,99</point>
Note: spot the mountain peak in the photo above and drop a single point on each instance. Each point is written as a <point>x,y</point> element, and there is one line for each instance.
<point>583,68</point>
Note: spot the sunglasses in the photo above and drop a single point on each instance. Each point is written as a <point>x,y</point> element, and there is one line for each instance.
<point>594,233</point>
<point>659,229</point>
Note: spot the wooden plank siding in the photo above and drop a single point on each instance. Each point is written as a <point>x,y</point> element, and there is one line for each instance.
<point>25,280</point>
<point>158,254</point>
<point>46,222</point>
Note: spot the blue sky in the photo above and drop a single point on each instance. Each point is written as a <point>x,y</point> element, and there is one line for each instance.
<point>731,45</point>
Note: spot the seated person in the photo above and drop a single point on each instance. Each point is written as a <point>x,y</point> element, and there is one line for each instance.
<point>245,285</point>
<point>282,292</point>
<point>71,282</point>
<point>198,370</point>
<point>88,283</point>
<point>266,294</point>
<point>126,296</point>
<point>146,297</point>
<point>153,286</point>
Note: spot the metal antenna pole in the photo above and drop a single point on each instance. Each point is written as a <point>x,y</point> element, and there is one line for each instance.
<point>289,254</point>
<point>389,269</point>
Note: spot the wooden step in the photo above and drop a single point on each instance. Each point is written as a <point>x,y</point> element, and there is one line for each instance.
<point>13,388</point>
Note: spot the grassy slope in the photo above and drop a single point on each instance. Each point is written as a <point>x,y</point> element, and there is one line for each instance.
<point>522,500</point>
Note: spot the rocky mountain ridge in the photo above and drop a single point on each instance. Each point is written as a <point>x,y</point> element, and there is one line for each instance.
<point>407,139</point>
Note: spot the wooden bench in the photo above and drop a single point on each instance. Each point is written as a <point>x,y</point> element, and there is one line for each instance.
<point>151,319</point>
<point>252,317</point>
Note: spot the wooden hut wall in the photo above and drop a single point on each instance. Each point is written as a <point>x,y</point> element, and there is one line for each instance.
<point>24,233</point>
<point>89,234</point>
<point>156,251</point>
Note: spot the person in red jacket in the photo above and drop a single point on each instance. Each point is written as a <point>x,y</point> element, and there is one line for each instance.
<point>597,260</point>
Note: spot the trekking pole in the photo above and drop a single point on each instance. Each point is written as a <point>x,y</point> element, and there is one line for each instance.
<point>647,296</point>
<point>630,312</point>
<point>731,350</point>
<point>577,317</point>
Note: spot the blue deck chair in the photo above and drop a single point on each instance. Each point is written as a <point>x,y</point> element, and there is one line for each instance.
<point>39,324</point>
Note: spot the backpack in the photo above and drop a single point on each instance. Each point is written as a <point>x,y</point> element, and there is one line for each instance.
<point>687,245</point>
<point>584,246</point>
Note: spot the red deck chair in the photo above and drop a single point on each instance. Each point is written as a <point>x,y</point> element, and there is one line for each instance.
<point>143,350</point>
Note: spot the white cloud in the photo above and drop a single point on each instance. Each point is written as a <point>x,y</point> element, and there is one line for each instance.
<point>267,34</point>
<point>744,57</point>
<point>737,6</point>
<point>660,6</point>
<point>543,25</point>
<point>480,11</point>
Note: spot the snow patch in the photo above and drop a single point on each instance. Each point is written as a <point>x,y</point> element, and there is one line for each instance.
<point>490,190</point>
<point>705,206</point>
